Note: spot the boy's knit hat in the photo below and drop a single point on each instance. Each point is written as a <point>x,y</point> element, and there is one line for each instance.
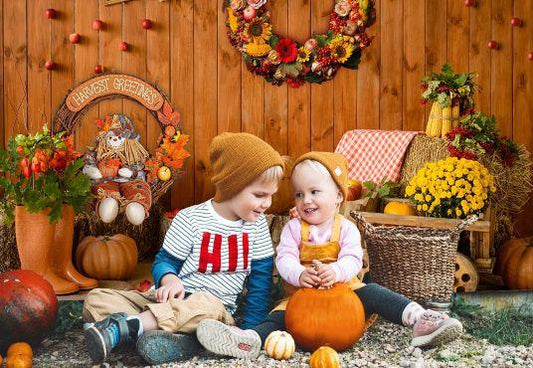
<point>237,159</point>
<point>336,164</point>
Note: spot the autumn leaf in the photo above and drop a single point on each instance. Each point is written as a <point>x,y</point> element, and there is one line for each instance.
<point>168,116</point>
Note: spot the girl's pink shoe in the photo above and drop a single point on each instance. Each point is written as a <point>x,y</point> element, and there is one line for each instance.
<point>434,328</point>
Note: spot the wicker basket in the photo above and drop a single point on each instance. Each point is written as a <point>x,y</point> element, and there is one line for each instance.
<point>413,261</point>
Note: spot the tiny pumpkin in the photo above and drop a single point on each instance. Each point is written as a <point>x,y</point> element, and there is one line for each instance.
<point>107,257</point>
<point>515,263</point>
<point>325,357</point>
<point>18,361</point>
<point>399,208</point>
<point>20,348</point>
<point>280,345</point>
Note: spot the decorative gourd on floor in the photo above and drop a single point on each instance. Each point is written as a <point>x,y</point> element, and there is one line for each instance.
<point>280,345</point>
<point>325,357</point>
<point>333,317</point>
<point>515,263</point>
<point>28,307</point>
<point>107,257</point>
<point>19,355</point>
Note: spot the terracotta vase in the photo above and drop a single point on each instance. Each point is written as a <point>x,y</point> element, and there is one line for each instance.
<point>35,237</point>
<point>61,254</point>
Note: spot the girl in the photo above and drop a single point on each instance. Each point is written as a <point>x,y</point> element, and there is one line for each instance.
<point>321,236</point>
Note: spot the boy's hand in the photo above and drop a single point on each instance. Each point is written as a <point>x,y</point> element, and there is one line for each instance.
<point>309,278</point>
<point>171,287</point>
<point>327,275</point>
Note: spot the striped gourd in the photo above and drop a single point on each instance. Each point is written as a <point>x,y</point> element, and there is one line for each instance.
<point>280,345</point>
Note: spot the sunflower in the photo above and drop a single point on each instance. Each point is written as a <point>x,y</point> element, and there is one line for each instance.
<point>258,31</point>
<point>341,49</point>
<point>233,22</point>
<point>303,54</point>
<point>257,49</point>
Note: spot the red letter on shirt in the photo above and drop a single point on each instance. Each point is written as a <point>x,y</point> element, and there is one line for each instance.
<point>206,257</point>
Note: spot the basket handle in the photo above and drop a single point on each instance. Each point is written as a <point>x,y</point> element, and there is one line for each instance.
<point>369,228</point>
<point>465,223</point>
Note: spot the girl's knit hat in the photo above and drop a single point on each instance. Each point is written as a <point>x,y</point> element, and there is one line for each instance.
<point>336,164</point>
<point>237,159</point>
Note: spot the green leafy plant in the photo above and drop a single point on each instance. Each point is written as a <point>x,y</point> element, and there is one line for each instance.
<point>42,171</point>
<point>385,188</point>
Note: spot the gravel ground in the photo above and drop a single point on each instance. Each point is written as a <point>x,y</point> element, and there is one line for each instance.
<point>384,345</point>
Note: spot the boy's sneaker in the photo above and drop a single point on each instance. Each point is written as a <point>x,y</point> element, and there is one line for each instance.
<point>104,336</point>
<point>434,328</point>
<point>223,339</point>
<point>158,347</point>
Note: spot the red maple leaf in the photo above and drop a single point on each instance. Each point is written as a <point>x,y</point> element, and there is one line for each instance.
<point>167,116</point>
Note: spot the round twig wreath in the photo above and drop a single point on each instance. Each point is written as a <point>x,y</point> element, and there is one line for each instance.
<point>280,59</point>
<point>170,152</point>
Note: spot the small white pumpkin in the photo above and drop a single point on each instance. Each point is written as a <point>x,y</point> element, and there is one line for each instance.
<point>108,209</point>
<point>280,345</point>
<point>135,213</point>
<point>125,172</point>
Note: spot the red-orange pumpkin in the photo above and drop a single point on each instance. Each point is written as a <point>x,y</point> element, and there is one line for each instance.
<point>28,307</point>
<point>107,257</point>
<point>515,263</point>
<point>317,317</point>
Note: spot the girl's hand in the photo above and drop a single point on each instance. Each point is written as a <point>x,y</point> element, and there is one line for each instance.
<point>327,275</point>
<point>309,278</point>
<point>171,287</point>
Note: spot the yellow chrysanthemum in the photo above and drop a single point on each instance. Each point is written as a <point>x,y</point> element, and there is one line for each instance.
<point>303,54</point>
<point>341,49</point>
<point>258,31</point>
<point>232,20</point>
<point>257,49</point>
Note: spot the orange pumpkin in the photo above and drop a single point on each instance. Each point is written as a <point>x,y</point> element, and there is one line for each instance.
<point>399,208</point>
<point>107,257</point>
<point>334,317</point>
<point>283,200</point>
<point>109,168</point>
<point>325,357</point>
<point>20,348</point>
<point>515,263</point>
<point>18,361</point>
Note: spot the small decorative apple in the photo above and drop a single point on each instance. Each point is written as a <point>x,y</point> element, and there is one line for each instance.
<point>98,69</point>
<point>50,13</point>
<point>493,45</point>
<point>164,173</point>
<point>354,190</point>
<point>249,13</point>
<point>98,24</point>
<point>516,22</point>
<point>470,3</point>
<point>49,65</point>
<point>74,38</point>
<point>123,46</point>
<point>530,56</point>
<point>146,23</point>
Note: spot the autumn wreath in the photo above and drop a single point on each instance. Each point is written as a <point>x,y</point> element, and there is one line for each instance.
<point>280,59</point>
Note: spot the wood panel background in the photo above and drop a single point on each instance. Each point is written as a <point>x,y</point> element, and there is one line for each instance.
<point>187,54</point>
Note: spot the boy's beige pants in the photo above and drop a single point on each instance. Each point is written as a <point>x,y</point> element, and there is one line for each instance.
<point>176,315</point>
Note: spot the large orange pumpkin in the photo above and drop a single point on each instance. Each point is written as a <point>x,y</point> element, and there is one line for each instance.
<point>515,263</point>
<point>325,357</point>
<point>107,257</point>
<point>334,317</point>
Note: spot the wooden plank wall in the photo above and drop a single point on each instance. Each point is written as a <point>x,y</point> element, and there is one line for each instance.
<point>188,56</point>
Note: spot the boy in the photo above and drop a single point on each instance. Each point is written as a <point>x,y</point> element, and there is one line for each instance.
<point>208,252</point>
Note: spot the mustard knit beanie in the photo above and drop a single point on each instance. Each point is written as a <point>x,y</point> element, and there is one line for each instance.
<point>336,164</point>
<point>237,159</point>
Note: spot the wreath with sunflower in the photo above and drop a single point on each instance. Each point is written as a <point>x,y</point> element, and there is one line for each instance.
<point>280,59</point>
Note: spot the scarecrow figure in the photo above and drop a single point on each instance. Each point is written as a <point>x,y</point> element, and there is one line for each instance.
<point>116,169</point>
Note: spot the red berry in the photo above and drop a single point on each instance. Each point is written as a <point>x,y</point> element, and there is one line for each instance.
<point>493,45</point>
<point>26,171</point>
<point>470,3</point>
<point>24,162</point>
<point>516,22</point>
<point>74,38</point>
<point>36,168</point>
<point>123,46</point>
<point>20,150</point>
<point>50,13</point>
<point>98,69</point>
<point>49,65</point>
<point>98,24</point>
<point>530,56</point>
<point>146,24</point>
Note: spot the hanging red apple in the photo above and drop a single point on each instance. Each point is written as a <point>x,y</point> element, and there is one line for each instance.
<point>74,38</point>
<point>516,22</point>
<point>98,69</point>
<point>470,3</point>
<point>50,13</point>
<point>49,65</point>
<point>98,24</point>
<point>123,46</point>
<point>146,24</point>
<point>493,45</point>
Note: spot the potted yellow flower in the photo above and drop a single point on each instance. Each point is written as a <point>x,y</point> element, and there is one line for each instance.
<point>451,188</point>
